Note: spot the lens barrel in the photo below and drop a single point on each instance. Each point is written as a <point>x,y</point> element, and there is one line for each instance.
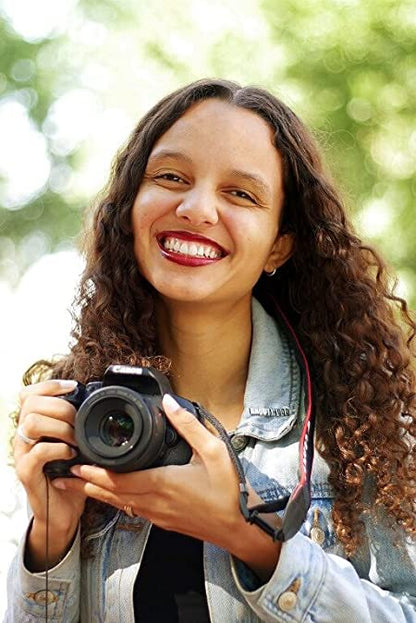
<point>119,429</point>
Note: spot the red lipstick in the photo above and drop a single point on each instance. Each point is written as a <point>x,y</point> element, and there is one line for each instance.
<point>189,249</point>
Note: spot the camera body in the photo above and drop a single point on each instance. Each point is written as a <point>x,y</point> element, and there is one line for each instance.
<point>120,423</point>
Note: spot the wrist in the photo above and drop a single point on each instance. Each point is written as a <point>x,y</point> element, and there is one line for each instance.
<point>256,549</point>
<point>42,552</point>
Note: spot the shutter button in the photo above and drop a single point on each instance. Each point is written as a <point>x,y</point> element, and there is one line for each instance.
<point>288,600</point>
<point>239,442</point>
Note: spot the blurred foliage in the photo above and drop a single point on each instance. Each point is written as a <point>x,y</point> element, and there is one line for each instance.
<point>25,81</point>
<point>348,67</point>
<point>36,74</point>
<point>351,66</point>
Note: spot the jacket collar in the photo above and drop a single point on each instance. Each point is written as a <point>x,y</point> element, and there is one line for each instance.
<point>273,393</point>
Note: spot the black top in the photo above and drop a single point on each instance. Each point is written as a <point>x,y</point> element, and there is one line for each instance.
<point>170,585</point>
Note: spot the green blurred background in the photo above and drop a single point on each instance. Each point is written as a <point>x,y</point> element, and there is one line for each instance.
<point>76,75</point>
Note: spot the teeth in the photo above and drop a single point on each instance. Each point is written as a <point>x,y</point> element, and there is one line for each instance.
<point>192,249</point>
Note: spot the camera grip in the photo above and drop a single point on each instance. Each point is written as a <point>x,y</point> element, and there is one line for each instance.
<point>60,468</point>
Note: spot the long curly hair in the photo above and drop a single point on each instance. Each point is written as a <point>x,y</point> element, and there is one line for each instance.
<point>357,334</point>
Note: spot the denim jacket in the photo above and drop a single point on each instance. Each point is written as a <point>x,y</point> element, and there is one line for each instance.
<point>313,581</point>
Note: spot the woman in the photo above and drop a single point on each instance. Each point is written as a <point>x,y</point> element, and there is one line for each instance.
<point>218,210</point>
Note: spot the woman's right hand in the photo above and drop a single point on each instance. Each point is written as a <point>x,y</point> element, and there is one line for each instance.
<point>44,415</point>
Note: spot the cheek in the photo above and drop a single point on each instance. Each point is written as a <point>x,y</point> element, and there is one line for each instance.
<point>142,211</point>
<point>257,235</point>
<point>150,205</point>
<point>141,223</point>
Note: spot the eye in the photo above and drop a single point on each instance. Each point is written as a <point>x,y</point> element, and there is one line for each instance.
<point>241,194</point>
<point>169,177</point>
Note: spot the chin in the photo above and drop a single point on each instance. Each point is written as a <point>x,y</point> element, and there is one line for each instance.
<point>172,294</point>
<point>182,289</point>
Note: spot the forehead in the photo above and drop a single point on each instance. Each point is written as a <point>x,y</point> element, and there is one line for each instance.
<point>221,133</point>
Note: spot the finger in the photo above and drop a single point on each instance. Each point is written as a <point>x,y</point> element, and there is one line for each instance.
<point>53,387</point>
<point>30,467</point>
<point>89,489</point>
<point>146,504</point>
<point>36,426</point>
<point>50,406</point>
<point>136,483</point>
<point>188,426</point>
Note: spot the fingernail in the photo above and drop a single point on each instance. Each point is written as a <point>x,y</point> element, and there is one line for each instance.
<point>59,484</point>
<point>67,384</point>
<point>170,402</point>
<point>76,470</point>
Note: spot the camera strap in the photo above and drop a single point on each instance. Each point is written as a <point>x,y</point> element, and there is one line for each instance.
<point>296,505</point>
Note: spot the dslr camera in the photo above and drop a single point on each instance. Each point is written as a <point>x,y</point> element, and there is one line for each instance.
<point>120,423</point>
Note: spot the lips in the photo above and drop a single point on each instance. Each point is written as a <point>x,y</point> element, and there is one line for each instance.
<point>189,249</point>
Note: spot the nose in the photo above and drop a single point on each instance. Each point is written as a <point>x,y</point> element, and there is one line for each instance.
<point>198,207</point>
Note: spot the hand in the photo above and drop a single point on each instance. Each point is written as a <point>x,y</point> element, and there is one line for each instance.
<point>200,499</point>
<point>44,415</point>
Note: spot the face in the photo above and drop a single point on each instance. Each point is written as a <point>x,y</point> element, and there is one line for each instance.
<point>205,219</point>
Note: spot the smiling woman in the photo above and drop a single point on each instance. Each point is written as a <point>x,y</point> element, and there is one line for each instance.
<point>201,207</point>
<point>221,255</point>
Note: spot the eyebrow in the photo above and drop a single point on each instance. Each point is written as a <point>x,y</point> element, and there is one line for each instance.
<point>168,153</point>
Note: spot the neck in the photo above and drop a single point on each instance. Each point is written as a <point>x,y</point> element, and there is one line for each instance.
<point>209,347</point>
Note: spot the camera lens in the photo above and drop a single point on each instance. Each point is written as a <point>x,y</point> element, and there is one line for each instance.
<point>116,429</point>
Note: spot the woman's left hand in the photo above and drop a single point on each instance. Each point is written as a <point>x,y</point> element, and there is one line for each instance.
<point>200,499</point>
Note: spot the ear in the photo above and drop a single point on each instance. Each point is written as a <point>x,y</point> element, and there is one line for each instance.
<point>282,249</point>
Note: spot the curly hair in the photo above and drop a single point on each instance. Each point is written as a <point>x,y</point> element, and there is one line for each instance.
<point>357,334</point>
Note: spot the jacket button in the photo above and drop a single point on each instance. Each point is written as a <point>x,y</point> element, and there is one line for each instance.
<point>44,597</point>
<point>317,535</point>
<point>239,442</point>
<point>287,601</point>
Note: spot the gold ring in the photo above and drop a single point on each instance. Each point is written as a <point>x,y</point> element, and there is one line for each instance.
<point>28,440</point>
<point>129,510</point>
